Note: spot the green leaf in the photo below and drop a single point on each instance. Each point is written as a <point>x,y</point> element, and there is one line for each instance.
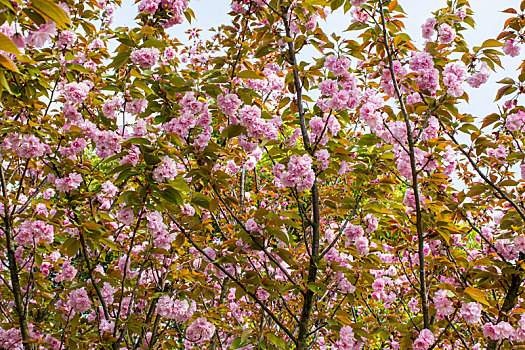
<point>477,295</point>
<point>52,11</point>
<point>8,45</point>
<point>119,60</point>
<point>171,195</point>
<point>276,341</point>
<point>491,43</point>
<point>248,74</point>
<point>8,63</point>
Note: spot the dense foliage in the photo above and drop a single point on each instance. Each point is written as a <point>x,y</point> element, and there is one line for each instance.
<point>236,193</point>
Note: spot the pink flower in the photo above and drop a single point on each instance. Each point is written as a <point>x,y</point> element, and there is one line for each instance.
<point>323,157</point>
<point>136,106</point>
<point>200,330</point>
<point>446,34</point>
<point>67,273</point>
<point>515,121</point>
<point>471,312</point>
<point>76,93</point>
<point>328,87</point>
<point>510,49</point>
<point>25,146</point>
<point>262,294</point>
<point>228,104</point>
<point>424,340</point>
<point>358,3</point>
<point>428,79</point>
<point>336,65</point>
<point>453,76</point>
<point>149,6</point>
<point>78,300</point>
<point>146,57</point>
<point>347,339</point>
<point>479,78</point>
<point>431,131</point>
<point>421,61</point>
<point>427,28</point>
<point>66,38</point>
<point>443,304</point>
<point>372,223</point>
<point>180,311</point>
<point>110,107</point>
<point>69,183</point>
<point>125,216</point>
<point>353,232</point>
<point>299,174</point>
<point>39,37</point>
<point>361,245</point>
<point>166,171</point>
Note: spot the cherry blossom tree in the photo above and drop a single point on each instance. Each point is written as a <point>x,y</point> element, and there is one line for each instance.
<point>240,193</point>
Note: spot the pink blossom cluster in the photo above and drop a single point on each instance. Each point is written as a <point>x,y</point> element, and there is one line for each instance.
<point>346,98</point>
<point>76,147</point>
<point>431,131</point>
<point>110,107</point>
<point>146,57</point>
<point>180,311</point>
<point>323,157</point>
<point>386,77</point>
<point>479,78</point>
<point>136,106</point>
<point>78,300</point>
<point>424,341</point>
<point>33,232</point>
<point>194,114</point>
<point>443,304</point>
<point>427,29</point>
<point>372,223</point>
<point>450,157</point>
<point>200,330</point>
<point>66,38</point>
<point>167,170</point>
<point>370,113</point>
<point>76,93</point>
<point>107,143</point>
<point>515,121</point>
<point>67,272</point>
<point>228,104</point>
<point>257,127</point>
<point>337,65</point>
<point>25,146</point>
<point>453,76</point>
<point>471,312</point>
<point>446,33</point>
<point>68,183</point>
<point>423,64</point>
<point>502,330</point>
<point>299,174</point>
<point>510,48</point>
<point>39,37</point>
<point>347,340</point>
<point>159,231</point>
<point>322,127</point>
<point>424,161</point>
<point>356,235</point>
<point>126,216</point>
<point>358,3</point>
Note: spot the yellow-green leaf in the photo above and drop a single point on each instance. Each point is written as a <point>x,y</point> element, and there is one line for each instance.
<point>8,63</point>
<point>51,11</point>
<point>8,45</point>
<point>477,295</point>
